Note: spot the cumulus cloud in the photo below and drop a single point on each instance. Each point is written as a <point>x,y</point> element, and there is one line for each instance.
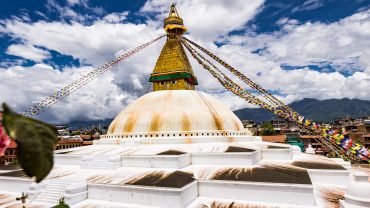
<point>208,19</point>
<point>23,85</point>
<point>343,44</point>
<point>28,52</point>
<point>69,12</point>
<point>115,17</point>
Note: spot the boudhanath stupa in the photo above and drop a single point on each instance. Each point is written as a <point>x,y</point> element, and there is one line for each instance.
<point>178,147</point>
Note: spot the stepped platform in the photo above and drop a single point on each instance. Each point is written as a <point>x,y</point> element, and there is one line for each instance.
<point>185,175</point>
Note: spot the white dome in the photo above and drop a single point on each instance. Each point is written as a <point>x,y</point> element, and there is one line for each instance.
<point>175,110</point>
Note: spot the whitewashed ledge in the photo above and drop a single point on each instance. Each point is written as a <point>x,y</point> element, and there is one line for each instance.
<point>277,154</point>
<point>145,195</point>
<point>15,184</point>
<point>65,159</point>
<point>226,158</point>
<point>157,161</point>
<point>279,193</point>
<point>327,176</point>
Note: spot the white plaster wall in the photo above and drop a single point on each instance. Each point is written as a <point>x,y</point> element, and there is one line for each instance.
<point>259,192</point>
<point>225,158</point>
<point>62,159</point>
<point>157,161</point>
<point>151,196</point>
<point>277,154</point>
<point>332,177</point>
<point>15,184</point>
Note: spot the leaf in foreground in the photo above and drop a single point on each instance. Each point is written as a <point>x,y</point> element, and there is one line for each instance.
<point>36,141</point>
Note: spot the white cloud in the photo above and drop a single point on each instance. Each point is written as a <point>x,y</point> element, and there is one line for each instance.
<point>99,99</point>
<point>341,43</point>
<point>309,5</point>
<point>95,43</point>
<point>74,2</point>
<point>28,52</point>
<point>69,11</point>
<point>115,17</point>
<point>208,19</point>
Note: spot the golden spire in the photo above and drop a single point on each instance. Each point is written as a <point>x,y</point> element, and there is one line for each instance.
<point>173,70</point>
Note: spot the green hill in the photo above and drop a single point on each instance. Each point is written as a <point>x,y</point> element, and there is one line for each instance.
<point>317,110</point>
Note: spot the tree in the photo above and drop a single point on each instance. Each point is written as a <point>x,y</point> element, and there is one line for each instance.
<point>267,129</point>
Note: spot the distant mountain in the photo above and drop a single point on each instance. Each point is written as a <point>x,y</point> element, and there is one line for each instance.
<point>88,124</point>
<point>317,110</point>
<point>322,111</point>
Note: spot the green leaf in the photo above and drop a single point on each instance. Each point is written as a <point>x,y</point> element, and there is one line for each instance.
<point>61,206</point>
<point>36,141</point>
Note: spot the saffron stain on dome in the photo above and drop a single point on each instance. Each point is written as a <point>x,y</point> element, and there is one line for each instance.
<point>185,123</point>
<point>130,123</point>
<point>155,123</point>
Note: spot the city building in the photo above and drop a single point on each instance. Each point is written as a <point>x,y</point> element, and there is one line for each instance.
<point>10,155</point>
<point>69,142</point>
<point>250,126</point>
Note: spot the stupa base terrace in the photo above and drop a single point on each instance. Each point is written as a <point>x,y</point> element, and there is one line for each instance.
<point>203,171</point>
<point>177,147</point>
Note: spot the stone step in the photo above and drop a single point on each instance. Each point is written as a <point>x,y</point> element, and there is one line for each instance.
<point>10,204</point>
<point>46,201</point>
<point>51,194</point>
<point>97,164</point>
<point>46,198</point>
<point>64,182</point>
<point>97,167</point>
<point>6,200</point>
<point>57,185</point>
<point>51,191</point>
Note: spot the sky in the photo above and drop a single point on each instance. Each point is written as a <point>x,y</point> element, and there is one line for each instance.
<point>296,49</point>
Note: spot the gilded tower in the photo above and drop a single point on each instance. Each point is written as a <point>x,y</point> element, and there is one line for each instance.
<point>173,70</point>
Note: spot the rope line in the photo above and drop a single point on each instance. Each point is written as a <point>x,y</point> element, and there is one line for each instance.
<point>72,87</point>
<point>335,142</point>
